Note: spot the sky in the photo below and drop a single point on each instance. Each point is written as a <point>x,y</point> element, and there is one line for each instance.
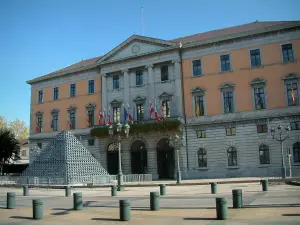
<point>41,36</point>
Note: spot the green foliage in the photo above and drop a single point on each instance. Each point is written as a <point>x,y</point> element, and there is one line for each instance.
<point>17,126</point>
<point>9,147</point>
<point>169,125</point>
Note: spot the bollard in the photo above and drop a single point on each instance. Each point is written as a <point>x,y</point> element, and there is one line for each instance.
<point>77,201</point>
<point>264,184</point>
<point>68,191</point>
<point>221,208</point>
<point>125,213</point>
<point>237,198</point>
<point>162,188</point>
<point>25,190</point>
<point>154,201</point>
<point>11,200</point>
<point>37,208</point>
<point>213,188</point>
<point>113,191</point>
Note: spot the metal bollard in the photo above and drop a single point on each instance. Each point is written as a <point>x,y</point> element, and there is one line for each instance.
<point>237,198</point>
<point>154,201</point>
<point>162,188</point>
<point>221,208</point>
<point>68,191</point>
<point>113,190</point>
<point>77,201</point>
<point>37,208</point>
<point>264,184</point>
<point>25,190</point>
<point>125,211</point>
<point>11,200</point>
<point>213,188</point>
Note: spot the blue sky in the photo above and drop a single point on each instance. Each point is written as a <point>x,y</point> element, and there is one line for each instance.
<point>38,37</point>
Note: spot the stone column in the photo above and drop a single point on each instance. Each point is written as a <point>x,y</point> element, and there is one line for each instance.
<point>104,92</point>
<point>151,82</point>
<point>178,91</point>
<point>126,86</point>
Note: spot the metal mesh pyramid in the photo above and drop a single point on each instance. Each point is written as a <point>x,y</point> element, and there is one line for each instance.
<point>63,161</point>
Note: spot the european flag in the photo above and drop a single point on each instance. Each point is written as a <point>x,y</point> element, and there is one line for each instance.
<point>125,114</point>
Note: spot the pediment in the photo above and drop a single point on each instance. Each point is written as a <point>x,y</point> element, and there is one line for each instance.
<point>116,103</point>
<point>258,81</point>
<point>198,89</point>
<point>139,100</point>
<point>135,46</point>
<point>226,85</point>
<point>290,76</point>
<point>165,96</point>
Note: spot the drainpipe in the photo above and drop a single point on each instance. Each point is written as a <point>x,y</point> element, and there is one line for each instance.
<point>183,106</point>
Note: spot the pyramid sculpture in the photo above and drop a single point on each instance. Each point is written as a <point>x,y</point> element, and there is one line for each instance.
<point>63,161</point>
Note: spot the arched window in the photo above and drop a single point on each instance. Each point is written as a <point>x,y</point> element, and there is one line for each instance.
<point>264,155</point>
<point>202,158</point>
<point>296,152</point>
<point>232,156</point>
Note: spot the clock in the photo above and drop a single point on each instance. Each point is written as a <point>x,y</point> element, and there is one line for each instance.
<point>135,49</point>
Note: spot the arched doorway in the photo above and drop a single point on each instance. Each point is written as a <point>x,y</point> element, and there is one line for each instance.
<point>165,159</point>
<point>138,157</point>
<point>112,158</point>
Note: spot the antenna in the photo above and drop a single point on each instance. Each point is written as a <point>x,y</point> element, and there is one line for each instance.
<point>143,30</point>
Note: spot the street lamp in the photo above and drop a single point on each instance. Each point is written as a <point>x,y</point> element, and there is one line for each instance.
<point>177,142</point>
<point>118,137</point>
<point>281,138</point>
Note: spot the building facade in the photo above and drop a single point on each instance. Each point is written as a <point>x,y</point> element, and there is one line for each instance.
<point>227,87</point>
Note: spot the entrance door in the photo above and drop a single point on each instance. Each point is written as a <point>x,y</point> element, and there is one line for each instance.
<point>112,159</point>
<point>138,158</point>
<point>165,160</point>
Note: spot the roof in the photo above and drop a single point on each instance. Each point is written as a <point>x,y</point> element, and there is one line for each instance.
<point>230,31</point>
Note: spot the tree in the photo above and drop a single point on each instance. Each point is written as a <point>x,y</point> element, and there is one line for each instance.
<point>9,148</point>
<point>19,128</point>
<point>3,122</point>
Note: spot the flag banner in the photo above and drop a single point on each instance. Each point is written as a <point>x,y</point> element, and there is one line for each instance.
<point>36,128</point>
<point>156,113</point>
<point>52,123</point>
<point>129,113</point>
<point>151,110</point>
<point>88,121</point>
<point>125,113</point>
<point>109,121</point>
<point>70,124</point>
<point>133,110</point>
<point>293,95</point>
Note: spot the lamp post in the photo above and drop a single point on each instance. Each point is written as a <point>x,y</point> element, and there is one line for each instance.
<point>281,138</point>
<point>118,137</point>
<point>177,142</point>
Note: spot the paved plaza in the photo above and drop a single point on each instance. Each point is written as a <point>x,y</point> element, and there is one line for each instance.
<point>182,205</point>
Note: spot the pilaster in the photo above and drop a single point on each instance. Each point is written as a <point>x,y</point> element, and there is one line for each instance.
<point>178,87</point>
<point>151,81</point>
<point>126,85</point>
<point>104,92</point>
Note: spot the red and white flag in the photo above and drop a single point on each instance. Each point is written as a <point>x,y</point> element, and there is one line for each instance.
<point>100,117</point>
<point>152,110</point>
<point>70,124</point>
<point>158,119</point>
<point>36,128</point>
<point>130,118</point>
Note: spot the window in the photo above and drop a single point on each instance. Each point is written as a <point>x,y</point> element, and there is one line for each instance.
<point>225,63</point>
<point>91,87</point>
<point>116,82</point>
<point>54,122</point>
<point>292,93</point>
<point>72,116</point>
<point>199,105</point>
<point>164,73</point>
<point>262,128</point>
<point>23,153</point>
<point>72,90</point>
<point>255,57</point>
<point>40,145</point>
<point>91,142</point>
<point>230,131</point>
<point>41,96</point>
<point>296,152</point>
<point>295,125</point>
<point>201,133</point>
<point>139,77</point>
<point>166,108</point>
<point>116,114</point>
<point>140,112</point>
<point>202,158</point>
<point>55,93</point>
<point>40,124</point>
<point>197,69</point>
<point>287,53</point>
<point>259,96</point>
<point>91,118</point>
<point>264,155</point>
<point>228,102</point>
<point>232,156</point>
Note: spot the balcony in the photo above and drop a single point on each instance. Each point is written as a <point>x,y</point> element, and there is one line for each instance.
<point>145,126</point>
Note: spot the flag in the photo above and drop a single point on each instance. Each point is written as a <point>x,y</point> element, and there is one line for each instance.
<point>109,121</point>
<point>104,115</point>
<point>70,124</point>
<point>36,127</point>
<point>100,116</point>
<point>151,110</point>
<point>125,113</point>
<point>197,110</point>
<point>133,111</point>
<point>162,111</point>
<point>293,96</point>
<point>158,119</point>
<point>88,121</point>
<point>52,123</point>
<point>129,114</point>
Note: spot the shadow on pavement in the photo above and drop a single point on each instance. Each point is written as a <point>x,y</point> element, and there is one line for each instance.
<point>21,217</point>
<point>105,219</point>
<point>272,206</point>
<point>60,213</point>
<point>148,208</point>
<point>290,214</point>
<point>198,218</point>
